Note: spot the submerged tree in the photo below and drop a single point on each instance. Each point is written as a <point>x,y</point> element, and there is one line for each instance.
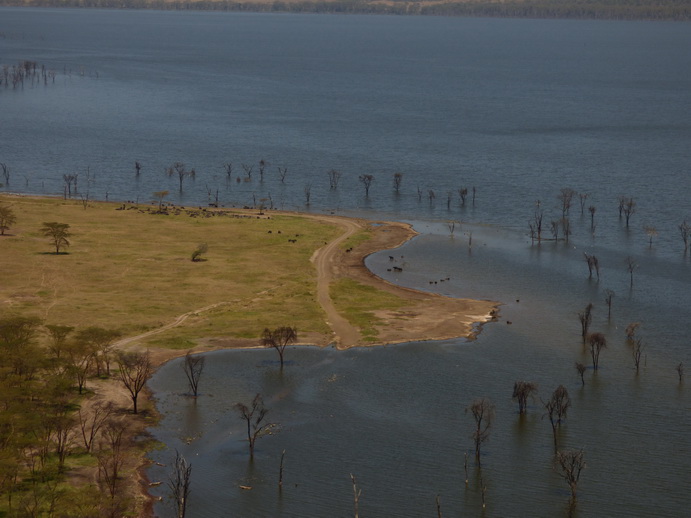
<point>254,415</point>
<point>482,410</point>
<point>557,407</point>
<point>397,179</point>
<point>334,178</point>
<point>631,266</point>
<point>593,264</point>
<point>193,367</point>
<point>597,342</point>
<point>581,370</point>
<point>637,352</point>
<point>179,483</point>
<point>680,371</point>
<point>684,231</point>
<point>366,180</point>
<point>585,317</point>
<point>522,390</point>
<point>279,339</point>
<point>609,295</point>
<point>570,463</point>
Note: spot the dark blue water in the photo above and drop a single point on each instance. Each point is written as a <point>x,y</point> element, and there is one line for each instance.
<point>517,108</point>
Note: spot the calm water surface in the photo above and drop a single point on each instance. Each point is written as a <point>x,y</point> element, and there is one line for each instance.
<point>517,108</point>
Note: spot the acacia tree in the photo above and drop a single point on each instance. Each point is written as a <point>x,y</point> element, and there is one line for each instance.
<point>366,180</point>
<point>482,410</point>
<point>254,416</point>
<point>58,335</point>
<point>159,195</point>
<point>179,484</point>
<point>522,390</point>
<point>101,341</point>
<point>585,317</point>
<point>570,463</point>
<point>193,367</point>
<point>58,234</point>
<point>557,407</point>
<point>135,371</point>
<point>597,342</point>
<point>7,218</point>
<point>279,339</point>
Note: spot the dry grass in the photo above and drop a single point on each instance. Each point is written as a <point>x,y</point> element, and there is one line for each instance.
<point>132,270</point>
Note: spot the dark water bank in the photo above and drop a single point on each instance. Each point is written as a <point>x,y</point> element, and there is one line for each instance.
<point>678,10</point>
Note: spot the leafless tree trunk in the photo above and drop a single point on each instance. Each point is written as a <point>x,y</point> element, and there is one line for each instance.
<point>565,197</point>
<point>557,408</point>
<point>522,390</point>
<point>463,193</point>
<point>397,179</point>
<point>609,295</point>
<point>280,471</point>
<point>483,413</point>
<point>248,170</point>
<point>356,496</point>
<point>279,339</point>
<point>366,180</point>
<point>582,197</point>
<point>308,193</point>
<point>684,230</point>
<point>254,415</point>
<point>135,371</point>
<point>637,352</point>
<point>631,266</point>
<point>597,342</point>
<point>282,172</point>
<point>581,370</point>
<point>592,210</point>
<point>334,178</point>
<point>570,463</point>
<point>680,371</point>
<point>90,423</point>
<point>628,209</point>
<point>585,317</point>
<point>179,483</point>
<point>193,367</point>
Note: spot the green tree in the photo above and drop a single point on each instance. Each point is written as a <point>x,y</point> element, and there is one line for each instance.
<point>7,218</point>
<point>58,234</point>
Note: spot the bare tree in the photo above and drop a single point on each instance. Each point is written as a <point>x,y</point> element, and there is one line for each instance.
<point>483,413</point>
<point>609,295</point>
<point>334,178</point>
<point>592,210</point>
<point>631,266</point>
<point>366,180</point>
<point>254,415</point>
<point>565,198</point>
<point>179,483</point>
<point>585,317</point>
<point>137,167</point>
<point>5,172</point>
<point>101,341</point>
<point>431,196</point>
<point>228,166</point>
<point>397,179</point>
<point>308,193</point>
<point>7,218</point>
<point>651,232</point>
<point>135,371</point>
<point>282,172</point>
<point>356,496</point>
<point>593,264</point>
<point>581,370</point>
<point>262,167</point>
<point>463,193</point>
<point>684,231</point>
<point>111,456</point>
<point>91,422</point>
<point>554,228</point>
<point>58,234</point>
<point>536,225</point>
<point>597,342</point>
<point>628,209</point>
<point>680,371</point>
<point>279,339</point>
<point>570,463</point>
<point>193,367</point>
<point>557,408</point>
<point>522,390</point>
<point>636,352</point>
<point>70,180</point>
<point>582,197</point>
<point>178,169</point>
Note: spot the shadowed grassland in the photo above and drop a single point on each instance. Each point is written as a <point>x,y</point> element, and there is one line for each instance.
<point>131,270</point>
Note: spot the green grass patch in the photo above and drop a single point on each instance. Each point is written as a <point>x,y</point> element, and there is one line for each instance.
<point>357,302</point>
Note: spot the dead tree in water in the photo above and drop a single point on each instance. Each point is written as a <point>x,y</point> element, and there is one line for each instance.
<point>193,367</point>
<point>609,295</point>
<point>397,179</point>
<point>179,484</point>
<point>565,197</point>
<point>334,178</point>
<point>570,463</point>
<point>279,339</point>
<point>581,370</point>
<point>593,264</point>
<point>631,266</point>
<point>597,342</point>
<point>585,317</point>
<point>483,413</point>
<point>680,371</point>
<point>522,390</point>
<point>685,230</point>
<point>637,352</point>
<point>366,180</point>
<point>557,407</point>
<point>254,415</point>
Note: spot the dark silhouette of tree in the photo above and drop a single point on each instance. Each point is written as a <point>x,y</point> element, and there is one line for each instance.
<point>91,421</point>
<point>609,295</point>
<point>536,223</point>
<point>557,408</point>
<point>70,179</point>
<point>570,463</point>
<point>565,198</point>
<point>334,178</point>
<point>279,339</point>
<point>57,233</point>
<point>631,266</point>
<point>308,193</point>
<point>356,496</point>
<point>592,210</point>
<point>581,370</point>
<point>254,415</point>
<point>585,317</point>
<point>228,167</point>
<point>636,352</point>
<point>193,367</point>
<point>483,411</point>
<point>597,342</point>
<point>179,483</point>
<point>366,180</point>
<point>463,193</point>
<point>7,218</point>
<point>593,264</point>
<point>651,232</point>
<point>522,390</point>
<point>248,170</point>
<point>135,371</point>
<point>628,209</point>
<point>5,172</point>
<point>137,167</point>
<point>684,230</point>
<point>178,169</point>
<point>680,371</point>
<point>282,172</point>
<point>111,456</point>
<point>397,179</point>
<point>582,197</point>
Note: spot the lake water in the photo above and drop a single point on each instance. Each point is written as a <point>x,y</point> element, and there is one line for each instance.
<point>516,108</point>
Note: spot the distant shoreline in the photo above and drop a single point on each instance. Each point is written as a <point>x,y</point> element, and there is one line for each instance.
<point>660,10</point>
